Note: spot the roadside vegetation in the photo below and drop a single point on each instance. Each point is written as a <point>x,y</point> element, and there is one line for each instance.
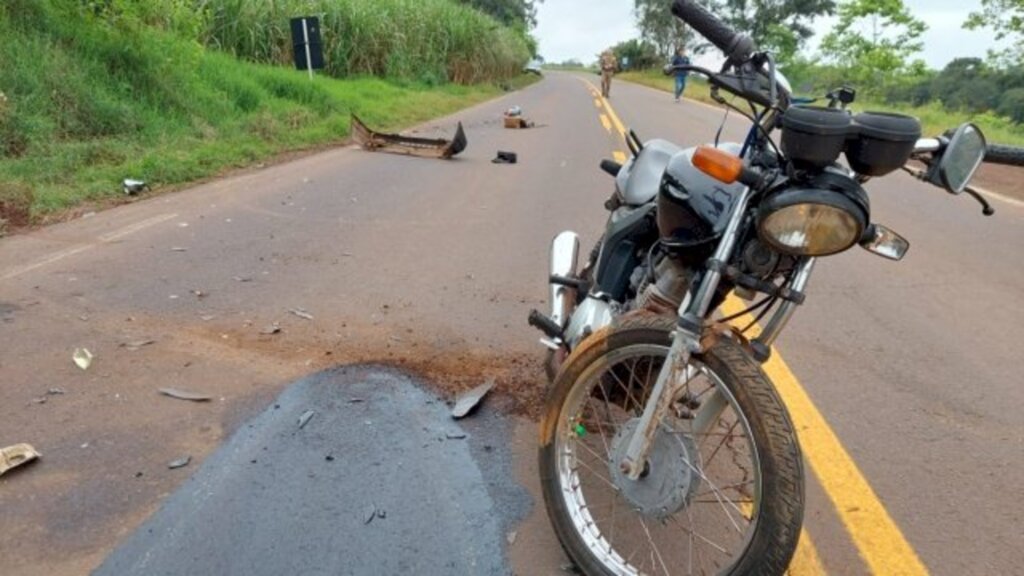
<point>935,118</point>
<point>96,91</point>
<point>873,46</point>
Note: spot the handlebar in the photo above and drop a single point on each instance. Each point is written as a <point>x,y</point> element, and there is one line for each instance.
<point>737,47</point>
<point>1009,155</point>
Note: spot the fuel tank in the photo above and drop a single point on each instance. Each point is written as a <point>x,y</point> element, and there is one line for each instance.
<point>693,208</point>
<point>638,181</point>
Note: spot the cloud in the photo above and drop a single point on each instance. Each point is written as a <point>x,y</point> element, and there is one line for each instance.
<point>579,29</point>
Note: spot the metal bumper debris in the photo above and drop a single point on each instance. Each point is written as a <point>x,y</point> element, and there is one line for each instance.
<point>408,145</point>
<point>14,456</point>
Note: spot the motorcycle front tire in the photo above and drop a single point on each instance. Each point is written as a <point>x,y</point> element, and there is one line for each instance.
<point>782,505</point>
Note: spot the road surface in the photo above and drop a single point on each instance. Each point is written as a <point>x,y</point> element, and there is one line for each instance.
<point>904,379</point>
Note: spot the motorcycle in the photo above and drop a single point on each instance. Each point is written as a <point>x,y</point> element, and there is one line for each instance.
<point>664,447</point>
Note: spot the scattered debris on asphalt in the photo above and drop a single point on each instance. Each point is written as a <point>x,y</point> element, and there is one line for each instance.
<point>83,358</point>
<point>305,418</point>
<point>185,395</point>
<point>16,455</point>
<point>370,513</point>
<point>409,145</point>
<point>243,279</point>
<point>137,344</point>
<point>511,537</point>
<point>455,435</point>
<point>180,463</point>
<point>271,329</point>
<point>200,294</point>
<point>504,157</point>
<point>356,401</point>
<point>132,187</point>
<point>55,392</point>
<point>468,401</point>
<point>178,249</point>
<point>301,313</point>
<point>514,119</point>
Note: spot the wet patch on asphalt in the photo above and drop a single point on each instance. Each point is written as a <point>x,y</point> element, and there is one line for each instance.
<point>356,470</point>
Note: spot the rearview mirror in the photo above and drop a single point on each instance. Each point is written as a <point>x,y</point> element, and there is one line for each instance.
<point>962,157</point>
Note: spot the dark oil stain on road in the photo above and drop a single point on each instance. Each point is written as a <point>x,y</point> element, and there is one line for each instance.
<point>280,498</point>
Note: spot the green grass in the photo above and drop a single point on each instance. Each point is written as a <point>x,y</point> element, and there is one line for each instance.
<point>87,103</point>
<point>934,118</point>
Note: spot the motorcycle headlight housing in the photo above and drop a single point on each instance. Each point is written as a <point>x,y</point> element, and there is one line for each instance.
<point>814,221</point>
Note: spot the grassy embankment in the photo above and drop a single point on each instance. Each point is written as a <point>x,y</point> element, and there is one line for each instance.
<point>934,119</point>
<point>89,98</point>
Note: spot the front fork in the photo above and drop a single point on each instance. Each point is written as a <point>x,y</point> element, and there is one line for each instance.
<point>675,373</point>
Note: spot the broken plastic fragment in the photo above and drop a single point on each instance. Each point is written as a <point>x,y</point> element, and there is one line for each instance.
<point>466,402</point>
<point>133,187</point>
<point>179,463</point>
<point>185,395</point>
<point>305,418</point>
<point>82,358</point>
<point>370,513</point>
<point>137,344</point>
<point>14,456</point>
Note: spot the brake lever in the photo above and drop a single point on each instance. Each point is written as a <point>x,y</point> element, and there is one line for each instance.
<point>986,208</point>
<point>922,175</point>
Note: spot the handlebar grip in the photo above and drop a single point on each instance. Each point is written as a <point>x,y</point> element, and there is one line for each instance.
<point>1009,155</point>
<point>737,47</point>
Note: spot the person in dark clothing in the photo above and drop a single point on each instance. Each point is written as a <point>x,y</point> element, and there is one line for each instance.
<point>680,59</point>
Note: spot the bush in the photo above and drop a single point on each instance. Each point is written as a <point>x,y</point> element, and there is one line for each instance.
<point>1011,105</point>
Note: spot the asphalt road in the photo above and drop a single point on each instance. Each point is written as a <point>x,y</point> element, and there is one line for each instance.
<point>433,266</point>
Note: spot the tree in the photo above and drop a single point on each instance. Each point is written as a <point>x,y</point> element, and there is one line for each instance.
<point>781,26</point>
<point>1006,18</point>
<point>663,30</point>
<point>637,55</point>
<point>874,41</point>
<point>508,12</point>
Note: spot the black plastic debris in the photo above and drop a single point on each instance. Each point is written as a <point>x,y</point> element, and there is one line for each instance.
<point>504,157</point>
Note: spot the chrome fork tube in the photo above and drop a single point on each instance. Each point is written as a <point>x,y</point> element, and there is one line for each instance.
<point>685,342</point>
<point>781,317</point>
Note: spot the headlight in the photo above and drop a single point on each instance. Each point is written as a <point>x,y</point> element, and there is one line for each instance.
<point>813,222</point>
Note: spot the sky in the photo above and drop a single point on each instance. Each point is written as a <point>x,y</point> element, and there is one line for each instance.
<point>580,29</point>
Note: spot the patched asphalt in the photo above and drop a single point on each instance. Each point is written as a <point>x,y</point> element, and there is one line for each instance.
<point>380,480</point>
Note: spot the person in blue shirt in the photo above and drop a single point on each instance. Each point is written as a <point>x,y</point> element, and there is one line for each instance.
<point>680,59</point>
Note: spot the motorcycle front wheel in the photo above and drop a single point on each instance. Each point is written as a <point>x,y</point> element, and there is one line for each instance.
<point>723,488</point>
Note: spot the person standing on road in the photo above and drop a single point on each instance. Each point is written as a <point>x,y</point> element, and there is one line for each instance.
<point>608,66</point>
<point>680,59</point>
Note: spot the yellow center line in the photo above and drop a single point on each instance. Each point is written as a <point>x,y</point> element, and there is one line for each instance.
<point>597,103</point>
<point>619,156</point>
<point>605,122</point>
<point>880,542</point>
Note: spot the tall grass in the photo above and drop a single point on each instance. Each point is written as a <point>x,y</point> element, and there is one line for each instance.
<point>427,40</point>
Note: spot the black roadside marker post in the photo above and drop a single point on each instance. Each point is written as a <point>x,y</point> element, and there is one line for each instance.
<point>309,52</point>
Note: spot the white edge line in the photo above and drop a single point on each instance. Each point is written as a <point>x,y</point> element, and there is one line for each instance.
<point>105,239</point>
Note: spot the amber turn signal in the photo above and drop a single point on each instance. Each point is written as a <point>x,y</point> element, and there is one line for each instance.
<point>719,165</point>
